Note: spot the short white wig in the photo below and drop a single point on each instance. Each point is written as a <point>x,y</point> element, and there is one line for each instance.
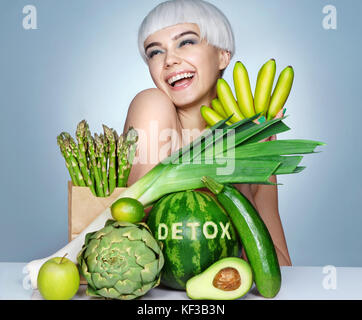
<point>214,26</point>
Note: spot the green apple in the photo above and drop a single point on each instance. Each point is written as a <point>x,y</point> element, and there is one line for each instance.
<point>58,279</point>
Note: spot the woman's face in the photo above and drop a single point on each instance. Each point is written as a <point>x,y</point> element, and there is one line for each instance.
<point>183,66</point>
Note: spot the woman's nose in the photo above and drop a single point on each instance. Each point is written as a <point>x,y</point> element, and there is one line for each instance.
<point>171,59</point>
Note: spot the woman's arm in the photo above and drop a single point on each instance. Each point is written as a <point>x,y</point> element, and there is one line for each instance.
<point>265,200</point>
<point>154,117</point>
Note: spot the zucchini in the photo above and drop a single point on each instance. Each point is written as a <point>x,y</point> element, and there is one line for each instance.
<point>254,235</point>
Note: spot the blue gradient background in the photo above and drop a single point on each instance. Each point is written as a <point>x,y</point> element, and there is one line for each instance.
<point>83,62</point>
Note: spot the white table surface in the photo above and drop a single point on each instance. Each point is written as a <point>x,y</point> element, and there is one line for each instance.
<point>298,283</point>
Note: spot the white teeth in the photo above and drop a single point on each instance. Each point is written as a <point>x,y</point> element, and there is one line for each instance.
<point>179,76</point>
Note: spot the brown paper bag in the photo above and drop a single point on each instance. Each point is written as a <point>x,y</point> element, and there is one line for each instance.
<point>84,207</point>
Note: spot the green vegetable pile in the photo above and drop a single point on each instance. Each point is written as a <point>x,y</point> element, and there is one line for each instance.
<point>124,260</point>
<point>101,162</point>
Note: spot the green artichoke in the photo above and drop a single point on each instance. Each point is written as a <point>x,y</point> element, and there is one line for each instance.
<point>120,261</point>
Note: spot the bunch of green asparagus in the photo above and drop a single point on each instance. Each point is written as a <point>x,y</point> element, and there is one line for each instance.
<point>102,161</point>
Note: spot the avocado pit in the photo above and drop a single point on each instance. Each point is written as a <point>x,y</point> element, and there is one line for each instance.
<point>227,279</point>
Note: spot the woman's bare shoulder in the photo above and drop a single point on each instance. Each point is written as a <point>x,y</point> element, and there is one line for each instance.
<point>152,97</point>
<point>151,105</point>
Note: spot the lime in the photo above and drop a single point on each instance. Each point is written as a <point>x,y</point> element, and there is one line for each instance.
<point>127,209</point>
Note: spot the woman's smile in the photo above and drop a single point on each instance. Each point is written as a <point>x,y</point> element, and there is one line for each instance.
<point>180,80</point>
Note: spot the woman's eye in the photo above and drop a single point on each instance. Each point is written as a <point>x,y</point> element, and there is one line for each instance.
<point>186,42</point>
<point>153,53</point>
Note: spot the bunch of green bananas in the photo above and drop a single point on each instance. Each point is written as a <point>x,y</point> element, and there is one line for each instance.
<point>265,101</point>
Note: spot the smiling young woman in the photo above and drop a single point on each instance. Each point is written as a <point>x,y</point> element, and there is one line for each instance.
<point>187,44</point>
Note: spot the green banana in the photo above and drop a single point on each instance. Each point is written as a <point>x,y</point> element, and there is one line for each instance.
<point>217,106</point>
<point>264,86</point>
<point>243,90</point>
<point>211,116</point>
<point>281,92</point>
<point>228,101</point>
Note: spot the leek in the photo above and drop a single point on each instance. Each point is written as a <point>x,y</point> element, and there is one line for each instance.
<point>255,162</point>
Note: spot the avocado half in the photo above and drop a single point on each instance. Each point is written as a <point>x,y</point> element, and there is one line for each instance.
<point>227,279</point>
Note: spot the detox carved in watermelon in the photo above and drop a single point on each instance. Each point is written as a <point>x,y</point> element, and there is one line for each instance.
<point>195,231</point>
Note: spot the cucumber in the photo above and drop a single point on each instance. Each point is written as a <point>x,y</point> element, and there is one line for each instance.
<point>254,235</point>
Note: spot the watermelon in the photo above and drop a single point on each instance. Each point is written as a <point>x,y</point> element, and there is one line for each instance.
<point>195,231</point>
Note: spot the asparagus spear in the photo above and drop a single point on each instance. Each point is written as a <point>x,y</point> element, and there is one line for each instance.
<point>116,138</point>
<point>115,134</point>
<point>82,155</point>
<point>108,133</point>
<point>89,164</point>
<point>71,144</point>
<point>132,136</point>
<point>102,161</point>
<point>105,163</point>
<point>93,160</point>
<point>120,169</point>
<point>127,149</point>
<point>71,147</point>
<point>67,159</point>
<point>98,152</point>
